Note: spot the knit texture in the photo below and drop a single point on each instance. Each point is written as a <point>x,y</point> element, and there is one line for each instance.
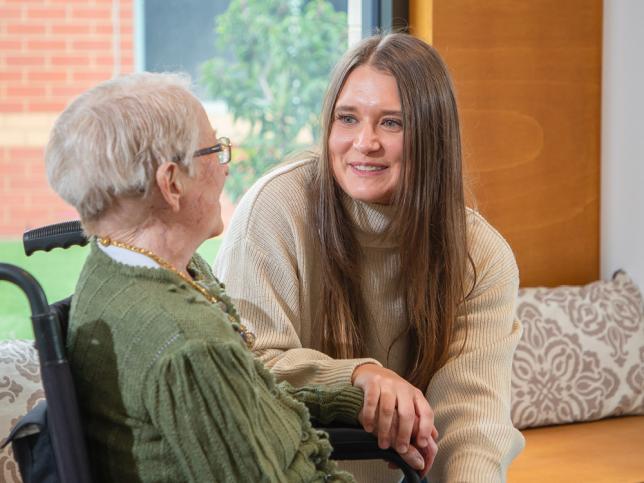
<point>270,263</point>
<point>169,392</point>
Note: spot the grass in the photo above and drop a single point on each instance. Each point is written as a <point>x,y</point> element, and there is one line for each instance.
<point>57,272</point>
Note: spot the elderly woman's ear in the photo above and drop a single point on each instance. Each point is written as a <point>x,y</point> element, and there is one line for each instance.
<point>169,179</point>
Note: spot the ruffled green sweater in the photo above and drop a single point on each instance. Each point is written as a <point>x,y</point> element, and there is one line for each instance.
<point>169,391</point>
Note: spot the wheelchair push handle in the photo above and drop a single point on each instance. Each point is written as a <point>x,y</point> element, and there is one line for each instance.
<point>59,235</point>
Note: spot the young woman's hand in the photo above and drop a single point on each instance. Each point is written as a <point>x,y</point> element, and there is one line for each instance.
<point>421,459</point>
<point>388,398</point>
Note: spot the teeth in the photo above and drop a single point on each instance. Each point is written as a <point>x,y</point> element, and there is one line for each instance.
<point>362,167</point>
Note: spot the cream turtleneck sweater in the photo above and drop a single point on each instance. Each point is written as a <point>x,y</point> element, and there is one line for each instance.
<point>271,268</point>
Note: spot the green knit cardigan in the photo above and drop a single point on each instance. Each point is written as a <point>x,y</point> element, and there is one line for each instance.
<point>169,391</point>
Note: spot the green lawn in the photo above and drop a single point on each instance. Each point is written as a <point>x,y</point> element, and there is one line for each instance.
<point>57,272</point>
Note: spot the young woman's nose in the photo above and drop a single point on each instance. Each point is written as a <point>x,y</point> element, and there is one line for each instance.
<point>366,140</point>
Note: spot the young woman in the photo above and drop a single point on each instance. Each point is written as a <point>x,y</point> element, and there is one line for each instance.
<point>362,264</point>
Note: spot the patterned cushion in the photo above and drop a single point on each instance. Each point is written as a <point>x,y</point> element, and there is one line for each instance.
<point>581,356</point>
<point>20,390</point>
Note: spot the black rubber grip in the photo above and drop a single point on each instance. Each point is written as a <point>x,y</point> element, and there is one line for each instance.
<point>59,235</point>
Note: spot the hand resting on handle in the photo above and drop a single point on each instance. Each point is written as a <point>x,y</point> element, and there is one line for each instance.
<point>398,413</point>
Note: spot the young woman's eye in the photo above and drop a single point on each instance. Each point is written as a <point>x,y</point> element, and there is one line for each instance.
<point>392,123</point>
<point>345,118</point>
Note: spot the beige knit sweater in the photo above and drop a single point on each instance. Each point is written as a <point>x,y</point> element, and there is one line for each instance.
<point>270,265</point>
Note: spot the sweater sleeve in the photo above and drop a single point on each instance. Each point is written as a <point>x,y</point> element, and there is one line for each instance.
<point>264,285</point>
<point>470,395</point>
<point>329,404</point>
<point>204,400</point>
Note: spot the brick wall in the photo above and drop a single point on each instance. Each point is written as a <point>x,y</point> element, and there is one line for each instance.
<point>50,51</point>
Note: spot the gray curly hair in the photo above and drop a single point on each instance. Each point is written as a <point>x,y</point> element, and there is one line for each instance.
<point>109,142</point>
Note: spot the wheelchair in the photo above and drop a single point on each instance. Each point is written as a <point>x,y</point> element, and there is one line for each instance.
<point>65,440</point>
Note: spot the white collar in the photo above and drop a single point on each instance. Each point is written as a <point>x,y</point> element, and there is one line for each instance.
<point>128,257</point>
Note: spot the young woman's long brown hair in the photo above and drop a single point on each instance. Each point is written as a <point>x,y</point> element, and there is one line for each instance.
<point>430,210</point>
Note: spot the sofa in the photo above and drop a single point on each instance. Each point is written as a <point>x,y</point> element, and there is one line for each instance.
<point>577,385</point>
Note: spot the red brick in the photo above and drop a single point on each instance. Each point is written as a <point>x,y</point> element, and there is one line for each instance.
<point>127,45</point>
<point>103,28</point>
<point>92,45</point>
<point>9,166</point>
<point>92,76</point>
<point>47,75</point>
<point>26,183</point>
<point>46,13</point>
<point>27,154</point>
<point>70,60</point>
<point>23,29</point>
<point>11,106</point>
<point>15,198</point>
<point>14,75</point>
<point>25,91</point>
<point>25,218</point>
<point>25,60</point>
<point>40,106</point>
<point>44,199</point>
<point>66,91</point>
<point>10,45</point>
<point>10,13</point>
<point>74,29</point>
<point>126,10</point>
<point>92,13</point>
<point>46,45</point>
<point>103,60</point>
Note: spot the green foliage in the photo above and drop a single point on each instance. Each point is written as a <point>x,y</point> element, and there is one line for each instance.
<point>272,63</point>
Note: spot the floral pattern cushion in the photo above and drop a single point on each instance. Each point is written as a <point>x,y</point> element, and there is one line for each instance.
<point>20,390</point>
<point>581,355</point>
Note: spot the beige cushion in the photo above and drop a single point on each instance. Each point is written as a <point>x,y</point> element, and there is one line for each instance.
<point>20,390</point>
<point>581,355</point>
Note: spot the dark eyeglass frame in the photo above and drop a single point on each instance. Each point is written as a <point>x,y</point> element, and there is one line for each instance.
<point>222,148</point>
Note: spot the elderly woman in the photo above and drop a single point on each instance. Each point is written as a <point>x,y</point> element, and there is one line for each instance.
<point>167,385</point>
<point>380,275</point>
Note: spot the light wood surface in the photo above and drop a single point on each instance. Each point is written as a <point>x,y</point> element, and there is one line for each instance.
<point>420,19</point>
<point>607,451</point>
<point>527,75</point>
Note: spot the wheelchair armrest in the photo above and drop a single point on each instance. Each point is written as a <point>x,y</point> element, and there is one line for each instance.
<point>356,444</point>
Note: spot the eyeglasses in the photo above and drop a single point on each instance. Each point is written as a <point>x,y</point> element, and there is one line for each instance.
<point>222,148</point>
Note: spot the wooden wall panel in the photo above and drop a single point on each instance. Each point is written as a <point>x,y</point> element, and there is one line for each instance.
<point>527,77</point>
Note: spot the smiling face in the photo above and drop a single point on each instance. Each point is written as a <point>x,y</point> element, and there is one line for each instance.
<point>366,138</point>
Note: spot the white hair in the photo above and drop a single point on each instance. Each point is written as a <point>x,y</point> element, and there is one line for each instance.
<point>109,141</point>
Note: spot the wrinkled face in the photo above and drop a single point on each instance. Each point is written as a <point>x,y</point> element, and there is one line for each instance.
<point>207,184</point>
<point>366,139</point>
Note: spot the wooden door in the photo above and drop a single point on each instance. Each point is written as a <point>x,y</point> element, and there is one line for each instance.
<point>527,76</point>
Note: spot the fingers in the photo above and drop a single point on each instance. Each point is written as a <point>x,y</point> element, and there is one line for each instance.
<point>414,458</point>
<point>406,419</point>
<point>367,416</point>
<point>425,415</point>
<point>386,410</point>
<point>429,455</point>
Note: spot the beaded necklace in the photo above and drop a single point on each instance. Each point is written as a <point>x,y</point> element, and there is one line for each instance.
<point>247,336</point>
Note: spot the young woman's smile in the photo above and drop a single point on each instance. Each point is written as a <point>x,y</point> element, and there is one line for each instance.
<point>366,139</point>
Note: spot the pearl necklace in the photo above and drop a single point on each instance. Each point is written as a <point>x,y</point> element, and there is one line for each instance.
<point>246,335</point>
